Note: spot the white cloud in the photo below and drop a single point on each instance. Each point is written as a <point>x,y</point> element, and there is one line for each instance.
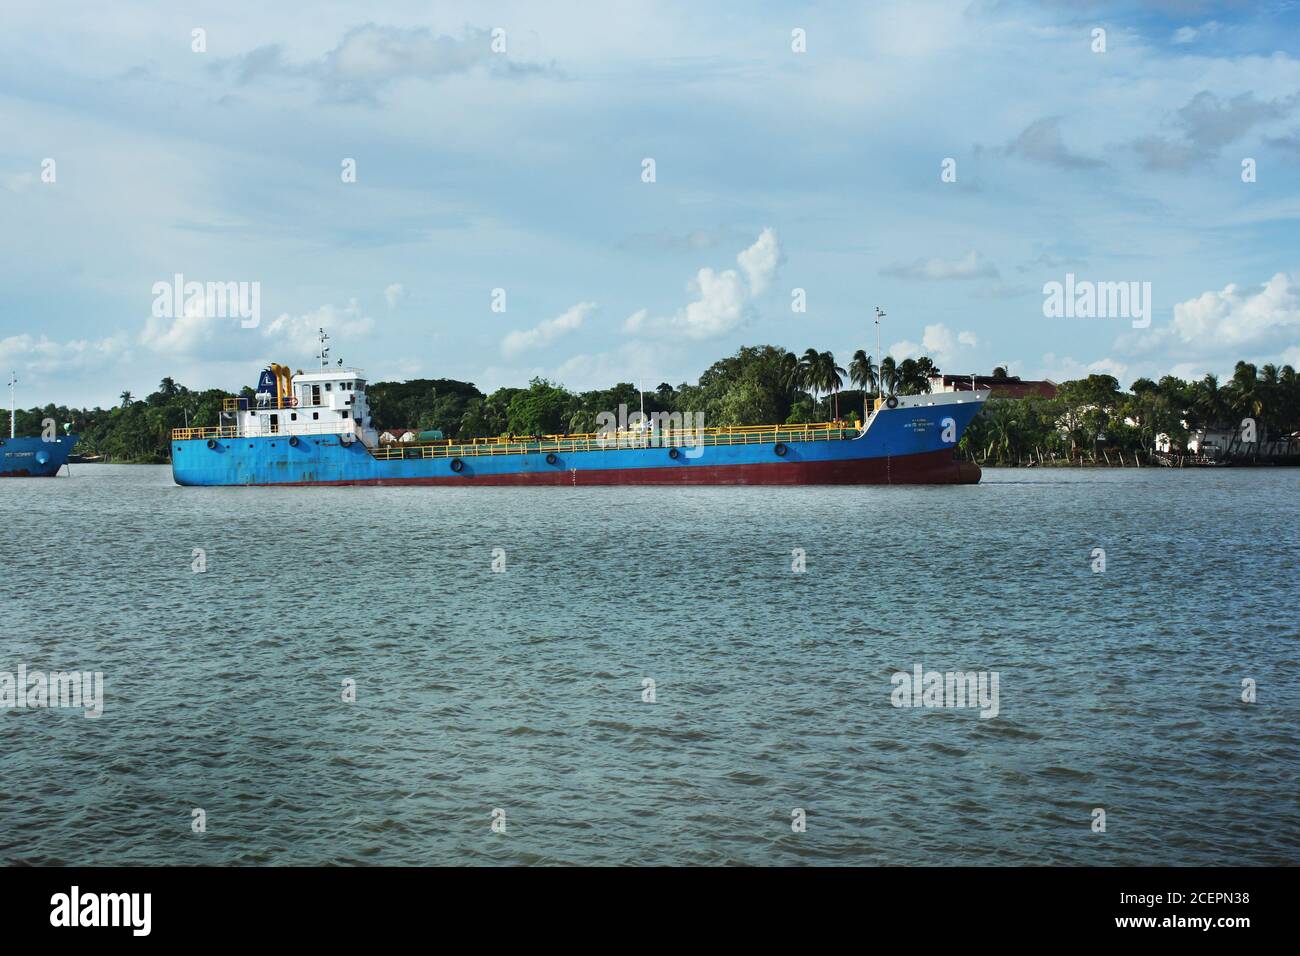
<point>719,307</point>
<point>393,294</point>
<point>1188,33</point>
<point>760,260</point>
<point>904,349</point>
<point>196,334</point>
<point>44,355</point>
<point>939,340</point>
<point>1233,317</point>
<point>634,321</point>
<point>372,57</point>
<point>1041,141</point>
<point>721,298</point>
<point>970,266</point>
<point>1189,371</point>
<point>1064,369</point>
<point>546,331</point>
<point>940,343</point>
<point>191,331</point>
<point>300,333</point>
<point>1210,331</point>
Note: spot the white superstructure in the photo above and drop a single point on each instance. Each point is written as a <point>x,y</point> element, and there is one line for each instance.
<point>330,401</point>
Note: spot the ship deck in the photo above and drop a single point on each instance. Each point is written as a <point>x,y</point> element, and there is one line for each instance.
<point>557,444</point>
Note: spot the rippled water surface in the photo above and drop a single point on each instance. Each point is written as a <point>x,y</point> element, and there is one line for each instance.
<point>523,690</point>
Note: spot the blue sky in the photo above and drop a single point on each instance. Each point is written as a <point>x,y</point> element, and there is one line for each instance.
<point>775,170</point>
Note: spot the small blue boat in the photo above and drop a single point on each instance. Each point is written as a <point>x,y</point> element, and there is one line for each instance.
<point>38,457</point>
<point>34,457</point>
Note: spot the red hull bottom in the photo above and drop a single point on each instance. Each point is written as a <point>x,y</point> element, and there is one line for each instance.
<point>931,468</point>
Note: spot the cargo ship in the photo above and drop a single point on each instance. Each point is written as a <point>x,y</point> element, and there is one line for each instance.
<point>314,428</point>
<point>34,457</point>
<point>38,457</point>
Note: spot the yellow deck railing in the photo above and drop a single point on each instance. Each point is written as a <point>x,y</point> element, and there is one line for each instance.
<point>242,404</point>
<point>684,438</point>
<point>185,434</point>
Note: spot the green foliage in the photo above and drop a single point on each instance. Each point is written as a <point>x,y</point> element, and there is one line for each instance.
<point>912,376</point>
<point>539,409</point>
<point>757,385</point>
<point>802,412</point>
<point>1093,412</point>
<point>422,404</point>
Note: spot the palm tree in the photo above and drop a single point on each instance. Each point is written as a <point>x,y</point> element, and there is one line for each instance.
<point>1002,429</point>
<point>1289,403</point>
<point>1248,396</point>
<point>925,370</point>
<point>832,378</point>
<point>906,377</point>
<point>864,374</point>
<point>792,372</point>
<point>127,399</point>
<point>888,374</point>
<point>811,370</point>
<point>1208,401</point>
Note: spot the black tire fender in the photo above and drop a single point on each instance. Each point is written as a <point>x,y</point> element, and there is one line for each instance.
<point>780,449</point>
<point>457,465</point>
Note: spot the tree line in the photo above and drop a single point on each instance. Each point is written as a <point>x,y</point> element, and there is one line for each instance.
<point>761,384</point>
<point>1094,413</point>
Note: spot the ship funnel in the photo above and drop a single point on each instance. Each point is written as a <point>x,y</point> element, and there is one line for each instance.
<point>283,384</point>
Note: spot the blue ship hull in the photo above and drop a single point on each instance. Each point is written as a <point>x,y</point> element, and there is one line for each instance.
<point>903,445</point>
<point>34,457</point>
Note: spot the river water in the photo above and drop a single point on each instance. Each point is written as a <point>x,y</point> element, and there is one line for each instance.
<point>523,691</point>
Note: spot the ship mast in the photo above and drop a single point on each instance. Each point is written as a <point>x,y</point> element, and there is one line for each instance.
<point>880,385</point>
<point>324,350</point>
<point>13,381</point>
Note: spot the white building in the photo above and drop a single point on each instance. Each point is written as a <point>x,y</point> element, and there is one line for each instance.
<point>1210,442</point>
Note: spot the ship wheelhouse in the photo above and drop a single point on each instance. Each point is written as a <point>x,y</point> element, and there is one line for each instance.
<point>330,401</point>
